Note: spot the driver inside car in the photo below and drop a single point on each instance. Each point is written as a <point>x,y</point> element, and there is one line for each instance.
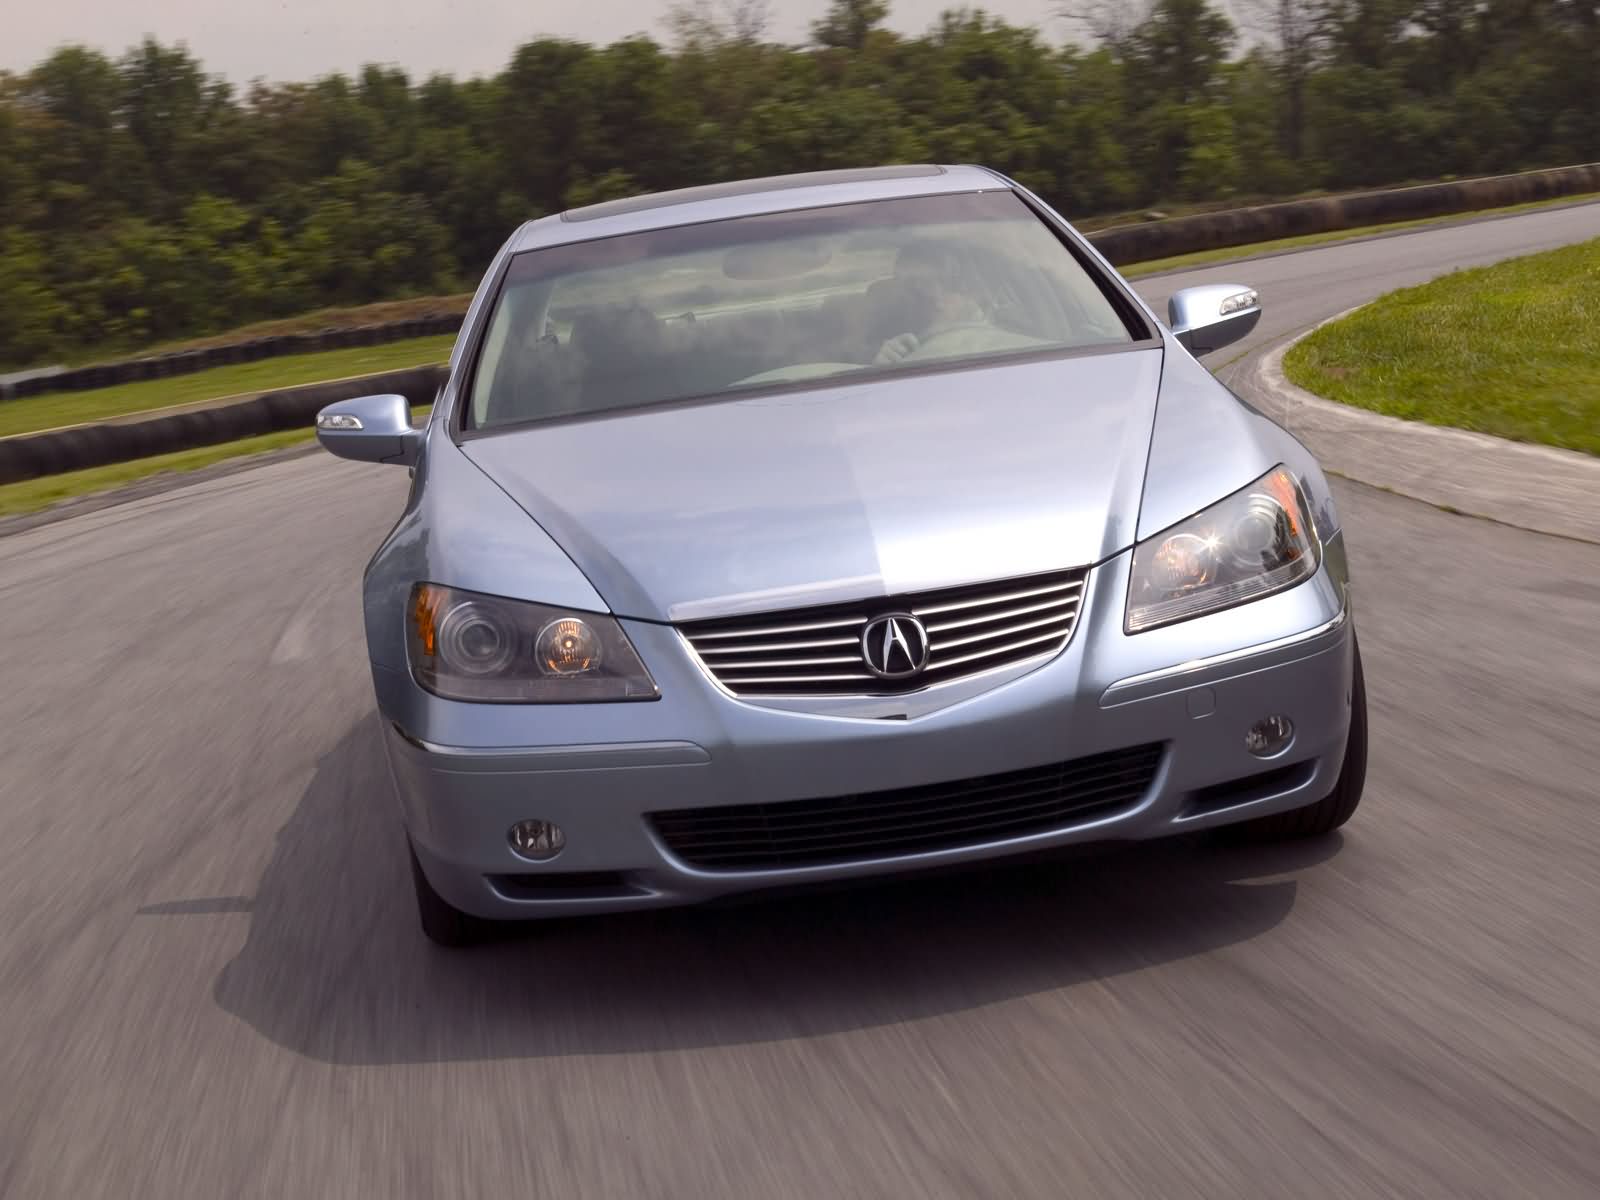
<point>940,315</point>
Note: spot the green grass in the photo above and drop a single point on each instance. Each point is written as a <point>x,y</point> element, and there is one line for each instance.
<point>1508,349</point>
<point>31,495</point>
<point>1203,258</point>
<point>74,408</point>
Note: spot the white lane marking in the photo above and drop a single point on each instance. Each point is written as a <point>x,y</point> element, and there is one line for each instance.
<point>294,643</point>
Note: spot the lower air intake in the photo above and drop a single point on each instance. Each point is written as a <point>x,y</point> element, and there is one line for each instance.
<point>942,816</point>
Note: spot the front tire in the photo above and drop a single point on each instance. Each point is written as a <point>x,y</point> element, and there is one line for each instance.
<point>1323,817</point>
<point>442,922</point>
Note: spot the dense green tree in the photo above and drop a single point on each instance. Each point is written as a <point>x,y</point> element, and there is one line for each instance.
<point>848,23</point>
<point>1091,158</point>
<point>77,150</point>
<point>1172,64</point>
<point>141,198</point>
<point>1368,33</point>
<point>1175,53</point>
<point>162,110</point>
<point>1295,30</point>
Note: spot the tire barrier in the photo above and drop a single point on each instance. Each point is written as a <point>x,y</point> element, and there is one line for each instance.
<point>1125,244</point>
<point>29,456</point>
<point>184,362</point>
<point>1122,244</point>
<point>33,455</point>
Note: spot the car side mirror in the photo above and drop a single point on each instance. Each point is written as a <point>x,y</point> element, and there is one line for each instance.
<point>370,429</point>
<point>1212,316</point>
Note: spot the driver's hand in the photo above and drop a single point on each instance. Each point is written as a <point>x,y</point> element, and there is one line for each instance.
<point>897,348</point>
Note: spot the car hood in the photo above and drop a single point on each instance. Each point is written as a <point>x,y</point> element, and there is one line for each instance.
<point>865,489</point>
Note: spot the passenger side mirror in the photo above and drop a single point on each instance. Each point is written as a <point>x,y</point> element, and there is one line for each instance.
<point>370,429</point>
<point>1212,316</point>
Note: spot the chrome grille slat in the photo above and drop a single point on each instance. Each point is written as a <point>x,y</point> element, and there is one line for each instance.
<point>985,626</point>
<point>990,634</point>
<point>789,662</point>
<point>863,677</point>
<point>981,654</point>
<point>765,647</point>
<point>929,610</point>
<point>984,618</point>
<point>771,629</point>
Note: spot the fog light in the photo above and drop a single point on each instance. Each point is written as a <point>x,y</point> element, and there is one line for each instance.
<point>1269,736</point>
<point>537,839</point>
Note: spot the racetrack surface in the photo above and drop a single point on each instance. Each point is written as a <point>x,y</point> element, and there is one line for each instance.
<point>211,982</point>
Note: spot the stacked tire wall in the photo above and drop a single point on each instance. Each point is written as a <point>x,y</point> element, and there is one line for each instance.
<point>96,445</point>
<point>52,452</point>
<point>1126,244</point>
<point>1123,244</point>
<point>185,362</point>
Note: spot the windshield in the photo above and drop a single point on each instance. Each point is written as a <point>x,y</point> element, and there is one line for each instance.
<point>779,299</point>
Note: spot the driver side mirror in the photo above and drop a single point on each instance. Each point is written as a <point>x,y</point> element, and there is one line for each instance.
<point>370,429</point>
<point>1212,316</point>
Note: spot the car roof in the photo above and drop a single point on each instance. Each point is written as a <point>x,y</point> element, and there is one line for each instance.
<point>750,197</point>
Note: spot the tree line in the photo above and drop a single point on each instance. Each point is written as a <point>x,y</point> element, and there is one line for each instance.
<point>143,199</point>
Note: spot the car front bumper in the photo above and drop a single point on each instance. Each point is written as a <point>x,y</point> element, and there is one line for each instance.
<point>465,773</point>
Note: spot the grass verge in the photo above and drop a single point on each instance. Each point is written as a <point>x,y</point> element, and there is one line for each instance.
<point>31,495</point>
<point>1507,349</point>
<point>1202,258</point>
<point>75,408</point>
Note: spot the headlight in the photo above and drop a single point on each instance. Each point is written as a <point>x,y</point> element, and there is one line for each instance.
<point>466,646</point>
<point>1253,543</point>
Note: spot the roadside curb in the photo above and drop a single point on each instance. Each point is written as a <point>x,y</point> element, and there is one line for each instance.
<point>1537,488</point>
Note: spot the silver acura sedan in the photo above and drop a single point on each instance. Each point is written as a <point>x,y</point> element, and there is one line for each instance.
<point>836,525</point>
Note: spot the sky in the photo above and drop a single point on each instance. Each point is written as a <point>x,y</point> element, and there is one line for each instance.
<point>301,39</point>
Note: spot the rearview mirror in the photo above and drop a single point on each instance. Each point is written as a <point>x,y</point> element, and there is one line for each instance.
<point>370,429</point>
<point>1212,316</point>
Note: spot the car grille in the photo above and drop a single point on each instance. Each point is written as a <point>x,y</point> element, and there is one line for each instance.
<point>943,816</point>
<point>817,651</point>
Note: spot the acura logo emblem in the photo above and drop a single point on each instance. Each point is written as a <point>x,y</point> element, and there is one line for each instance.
<point>895,646</point>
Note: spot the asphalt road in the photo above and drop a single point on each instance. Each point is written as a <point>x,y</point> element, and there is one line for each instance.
<point>211,983</point>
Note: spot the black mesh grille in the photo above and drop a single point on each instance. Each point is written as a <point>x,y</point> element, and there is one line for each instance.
<point>801,833</point>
